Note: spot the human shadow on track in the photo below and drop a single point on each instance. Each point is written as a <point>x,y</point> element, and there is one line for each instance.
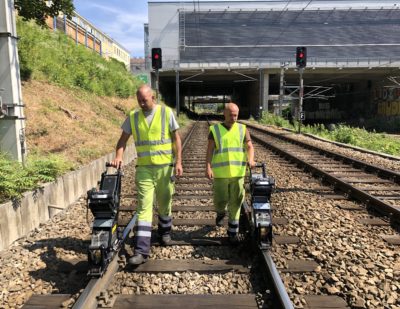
<point>66,263</point>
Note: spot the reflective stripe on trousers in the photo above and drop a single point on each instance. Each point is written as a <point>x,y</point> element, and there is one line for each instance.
<point>143,238</point>
<point>233,227</point>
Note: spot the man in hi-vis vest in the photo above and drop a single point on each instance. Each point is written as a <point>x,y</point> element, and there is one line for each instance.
<point>157,142</point>
<point>229,151</point>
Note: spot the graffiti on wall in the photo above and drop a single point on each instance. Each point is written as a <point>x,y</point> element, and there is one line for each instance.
<point>387,100</point>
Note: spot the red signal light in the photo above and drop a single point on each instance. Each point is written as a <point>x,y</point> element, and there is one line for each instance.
<point>156,58</point>
<point>301,57</point>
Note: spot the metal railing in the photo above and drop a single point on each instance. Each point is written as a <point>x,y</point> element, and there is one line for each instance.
<point>312,63</point>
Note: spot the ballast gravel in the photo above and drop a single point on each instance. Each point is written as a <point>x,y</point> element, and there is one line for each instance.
<point>354,262</point>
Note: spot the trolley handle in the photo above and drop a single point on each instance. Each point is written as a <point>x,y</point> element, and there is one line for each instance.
<point>108,164</point>
<point>263,166</point>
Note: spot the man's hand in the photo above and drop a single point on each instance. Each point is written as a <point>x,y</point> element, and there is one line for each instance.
<point>116,163</point>
<point>252,164</point>
<point>178,169</point>
<point>209,173</point>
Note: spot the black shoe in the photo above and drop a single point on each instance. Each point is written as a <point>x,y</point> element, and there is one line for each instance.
<point>234,239</point>
<point>219,221</point>
<point>165,239</point>
<point>138,259</point>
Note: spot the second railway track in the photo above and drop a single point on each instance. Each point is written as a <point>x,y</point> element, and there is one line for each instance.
<point>375,186</point>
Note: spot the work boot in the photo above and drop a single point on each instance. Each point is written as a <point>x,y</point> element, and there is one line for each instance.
<point>165,239</point>
<point>234,239</point>
<point>219,221</point>
<point>138,259</point>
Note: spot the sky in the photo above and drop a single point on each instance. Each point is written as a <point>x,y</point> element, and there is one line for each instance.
<point>120,19</point>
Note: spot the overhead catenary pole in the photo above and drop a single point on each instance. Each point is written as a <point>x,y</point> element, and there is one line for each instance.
<point>259,112</point>
<point>177,90</point>
<point>12,120</point>
<point>281,89</point>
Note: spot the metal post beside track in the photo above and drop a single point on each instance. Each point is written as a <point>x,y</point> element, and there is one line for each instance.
<point>301,93</point>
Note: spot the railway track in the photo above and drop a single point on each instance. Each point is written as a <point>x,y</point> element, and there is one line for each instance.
<point>325,254</point>
<point>200,268</point>
<point>376,187</point>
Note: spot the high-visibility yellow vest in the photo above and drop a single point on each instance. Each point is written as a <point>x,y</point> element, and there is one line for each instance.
<point>229,158</point>
<point>154,143</point>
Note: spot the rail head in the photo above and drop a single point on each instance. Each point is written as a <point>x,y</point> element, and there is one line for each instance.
<point>280,290</point>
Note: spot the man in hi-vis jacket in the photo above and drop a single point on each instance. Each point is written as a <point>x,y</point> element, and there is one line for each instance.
<point>229,151</point>
<point>158,144</point>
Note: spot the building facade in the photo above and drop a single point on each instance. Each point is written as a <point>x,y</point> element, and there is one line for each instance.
<point>85,33</point>
<point>247,50</point>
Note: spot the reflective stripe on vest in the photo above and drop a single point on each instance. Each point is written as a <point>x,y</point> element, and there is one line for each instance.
<point>229,158</point>
<point>153,143</point>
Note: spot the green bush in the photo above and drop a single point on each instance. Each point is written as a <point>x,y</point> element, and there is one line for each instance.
<point>16,179</point>
<point>183,120</point>
<point>52,56</point>
<point>271,119</point>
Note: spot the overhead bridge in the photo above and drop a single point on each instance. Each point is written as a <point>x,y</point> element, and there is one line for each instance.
<point>242,49</point>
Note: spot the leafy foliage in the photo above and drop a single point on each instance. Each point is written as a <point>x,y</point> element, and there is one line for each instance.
<point>52,56</point>
<point>268,118</point>
<point>16,179</point>
<point>38,10</point>
<point>183,120</point>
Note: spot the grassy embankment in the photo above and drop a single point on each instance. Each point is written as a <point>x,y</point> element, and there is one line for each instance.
<point>343,134</point>
<point>75,103</point>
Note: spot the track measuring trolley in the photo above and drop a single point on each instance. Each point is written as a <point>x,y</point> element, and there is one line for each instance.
<point>258,205</point>
<point>107,236</point>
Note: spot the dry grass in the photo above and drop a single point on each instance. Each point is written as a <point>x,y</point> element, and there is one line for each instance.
<point>73,123</point>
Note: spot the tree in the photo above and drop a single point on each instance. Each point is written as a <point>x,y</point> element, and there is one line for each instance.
<point>38,10</point>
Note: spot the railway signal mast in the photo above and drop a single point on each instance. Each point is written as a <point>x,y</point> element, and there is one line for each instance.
<point>301,63</point>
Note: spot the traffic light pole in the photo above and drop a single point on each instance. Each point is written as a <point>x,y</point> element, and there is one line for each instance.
<point>157,87</point>
<point>301,93</point>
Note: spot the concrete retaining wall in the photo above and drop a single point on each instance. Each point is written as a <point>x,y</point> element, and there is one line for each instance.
<point>36,207</point>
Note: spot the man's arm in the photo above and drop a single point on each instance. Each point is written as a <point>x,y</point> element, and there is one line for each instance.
<point>210,151</point>
<point>177,149</point>
<point>119,151</point>
<point>250,150</point>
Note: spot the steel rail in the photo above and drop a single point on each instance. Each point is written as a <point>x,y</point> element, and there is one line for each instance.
<point>88,298</point>
<point>187,137</point>
<point>279,287</point>
<point>382,172</point>
<point>370,201</point>
<point>343,145</point>
<point>272,272</point>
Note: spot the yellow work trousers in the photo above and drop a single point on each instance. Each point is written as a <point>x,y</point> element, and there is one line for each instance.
<point>152,181</point>
<point>229,193</point>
